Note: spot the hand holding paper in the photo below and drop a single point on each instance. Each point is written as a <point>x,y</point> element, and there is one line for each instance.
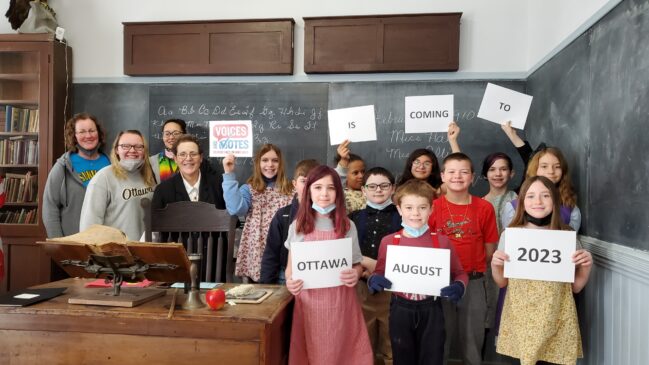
<point>378,283</point>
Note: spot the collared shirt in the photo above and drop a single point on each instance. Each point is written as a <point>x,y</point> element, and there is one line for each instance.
<point>192,190</point>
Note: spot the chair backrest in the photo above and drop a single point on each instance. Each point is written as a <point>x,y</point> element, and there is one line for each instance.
<point>195,224</point>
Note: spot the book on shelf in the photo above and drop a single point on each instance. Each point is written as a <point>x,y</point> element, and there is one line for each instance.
<point>18,150</point>
<point>21,188</point>
<point>22,216</point>
<point>20,119</point>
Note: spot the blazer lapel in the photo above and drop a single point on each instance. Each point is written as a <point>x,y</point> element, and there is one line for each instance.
<point>179,187</point>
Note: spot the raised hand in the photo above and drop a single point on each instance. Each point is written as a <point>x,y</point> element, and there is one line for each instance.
<point>228,163</point>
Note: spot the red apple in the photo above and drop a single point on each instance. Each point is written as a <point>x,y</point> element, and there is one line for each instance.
<point>215,298</point>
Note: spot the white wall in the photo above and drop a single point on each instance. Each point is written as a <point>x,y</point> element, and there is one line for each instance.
<point>553,24</point>
<point>495,35</point>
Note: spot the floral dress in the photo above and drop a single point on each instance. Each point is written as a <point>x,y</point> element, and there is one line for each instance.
<point>354,200</point>
<point>539,323</point>
<point>328,325</point>
<point>263,207</point>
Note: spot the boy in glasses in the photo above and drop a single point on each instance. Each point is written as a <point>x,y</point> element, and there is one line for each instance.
<point>378,219</point>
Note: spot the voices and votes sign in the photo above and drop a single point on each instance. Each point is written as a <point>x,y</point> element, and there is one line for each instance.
<point>540,254</point>
<point>231,136</point>
<point>418,270</point>
<point>357,124</point>
<point>428,113</point>
<point>319,263</point>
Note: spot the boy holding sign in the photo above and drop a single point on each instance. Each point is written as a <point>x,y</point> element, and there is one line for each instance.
<point>539,320</point>
<point>417,320</point>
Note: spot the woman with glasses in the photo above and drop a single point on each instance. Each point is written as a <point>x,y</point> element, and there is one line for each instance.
<point>163,163</point>
<point>114,194</point>
<point>190,184</point>
<point>67,182</point>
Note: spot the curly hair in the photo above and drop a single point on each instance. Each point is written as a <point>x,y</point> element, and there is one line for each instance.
<point>69,131</point>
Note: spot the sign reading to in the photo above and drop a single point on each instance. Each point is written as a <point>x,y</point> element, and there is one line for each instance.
<point>430,113</point>
<point>500,105</point>
<point>231,136</point>
<point>319,263</point>
<point>356,124</point>
<point>540,254</point>
<point>418,270</point>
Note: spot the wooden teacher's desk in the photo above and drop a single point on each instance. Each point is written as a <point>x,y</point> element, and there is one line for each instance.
<point>55,332</point>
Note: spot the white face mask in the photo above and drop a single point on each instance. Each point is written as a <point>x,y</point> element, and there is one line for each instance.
<point>131,165</point>
<point>326,210</point>
<point>379,206</point>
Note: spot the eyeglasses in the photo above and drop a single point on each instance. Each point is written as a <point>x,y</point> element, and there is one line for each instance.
<point>82,132</point>
<point>127,147</point>
<point>172,134</point>
<point>373,187</point>
<point>184,155</point>
<point>417,163</point>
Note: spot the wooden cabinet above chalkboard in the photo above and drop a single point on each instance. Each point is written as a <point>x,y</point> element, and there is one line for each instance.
<point>385,43</point>
<point>229,47</point>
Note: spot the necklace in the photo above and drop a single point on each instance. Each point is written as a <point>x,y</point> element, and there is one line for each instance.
<point>455,226</point>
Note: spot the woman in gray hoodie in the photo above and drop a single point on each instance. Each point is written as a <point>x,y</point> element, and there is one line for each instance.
<point>70,175</point>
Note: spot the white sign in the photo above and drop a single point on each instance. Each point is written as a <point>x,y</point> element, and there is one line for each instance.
<point>231,136</point>
<point>418,270</point>
<point>319,263</point>
<point>355,124</point>
<point>430,113</point>
<point>540,254</point>
<point>500,105</point>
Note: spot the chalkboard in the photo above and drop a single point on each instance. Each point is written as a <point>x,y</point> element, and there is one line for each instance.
<point>592,101</point>
<point>478,137</point>
<point>291,116</point>
<point>117,106</point>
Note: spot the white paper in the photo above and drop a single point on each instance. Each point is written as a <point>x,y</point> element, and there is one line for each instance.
<point>356,124</point>
<point>540,254</point>
<point>231,136</point>
<point>319,263</point>
<point>26,296</point>
<point>500,105</point>
<point>429,113</point>
<point>433,267</point>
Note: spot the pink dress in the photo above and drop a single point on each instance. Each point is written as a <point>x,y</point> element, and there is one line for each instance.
<point>328,325</point>
<point>263,207</point>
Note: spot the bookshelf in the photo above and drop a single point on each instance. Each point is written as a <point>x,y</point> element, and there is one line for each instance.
<point>35,83</point>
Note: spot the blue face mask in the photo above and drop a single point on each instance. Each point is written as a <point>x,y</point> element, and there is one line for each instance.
<point>414,232</point>
<point>326,210</point>
<point>379,206</point>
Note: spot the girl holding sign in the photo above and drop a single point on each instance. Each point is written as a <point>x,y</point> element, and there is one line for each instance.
<point>539,320</point>
<point>328,325</point>
<point>264,193</point>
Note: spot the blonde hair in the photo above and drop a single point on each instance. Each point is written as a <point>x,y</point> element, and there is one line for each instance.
<point>414,187</point>
<point>146,170</point>
<point>567,194</point>
<point>256,181</point>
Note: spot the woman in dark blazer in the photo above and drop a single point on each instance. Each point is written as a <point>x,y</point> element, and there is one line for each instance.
<point>190,183</point>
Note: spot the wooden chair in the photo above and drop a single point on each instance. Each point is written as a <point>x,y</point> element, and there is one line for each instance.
<point>193,223</point>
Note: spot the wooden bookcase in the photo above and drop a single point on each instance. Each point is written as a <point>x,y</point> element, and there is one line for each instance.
<point>35,84</point>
